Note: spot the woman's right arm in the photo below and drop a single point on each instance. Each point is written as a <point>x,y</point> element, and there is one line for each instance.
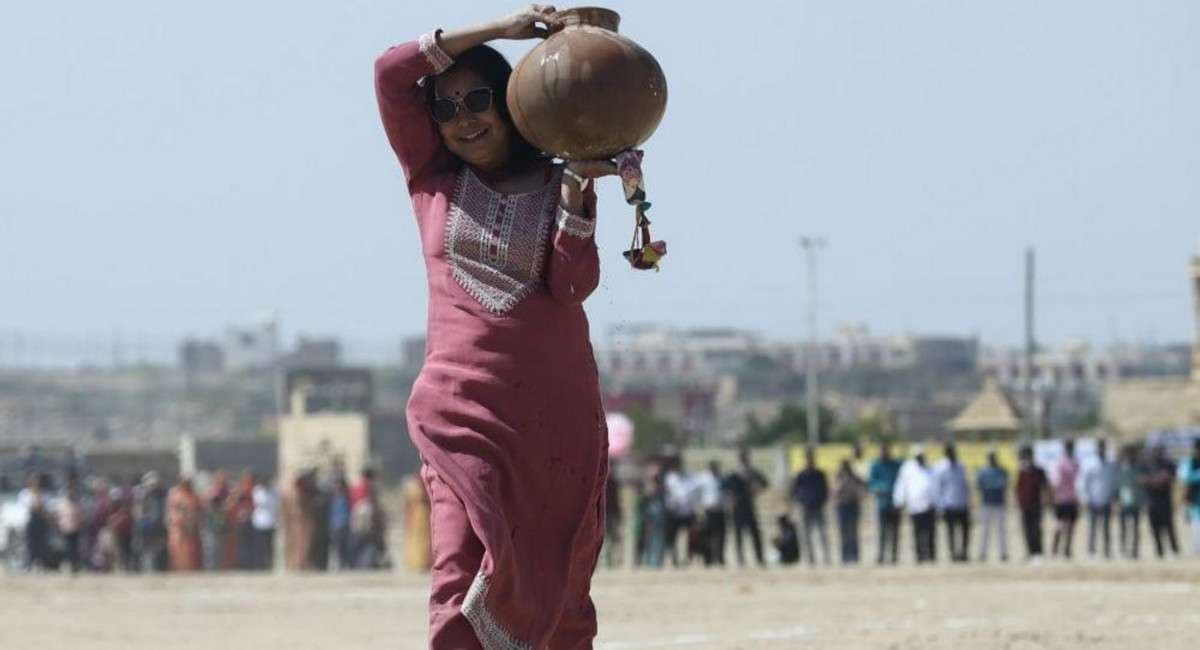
<point>413,135</point>
<point>410,130</point>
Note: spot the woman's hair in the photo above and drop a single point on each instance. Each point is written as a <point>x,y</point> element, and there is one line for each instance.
<point>495,71</point>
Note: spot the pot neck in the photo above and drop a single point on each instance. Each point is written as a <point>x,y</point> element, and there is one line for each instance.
<point>591,17</point>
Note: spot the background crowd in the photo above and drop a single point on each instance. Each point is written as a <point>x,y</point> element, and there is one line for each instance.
<point>325,521</point>
<point>682,517</point>
<point>142,525</point>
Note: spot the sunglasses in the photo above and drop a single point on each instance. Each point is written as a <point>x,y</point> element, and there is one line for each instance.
<point>476,101</point>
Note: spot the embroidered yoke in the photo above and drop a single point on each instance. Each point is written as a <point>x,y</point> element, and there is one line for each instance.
<point>506,412</point>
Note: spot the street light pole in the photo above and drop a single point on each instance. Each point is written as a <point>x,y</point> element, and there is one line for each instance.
<point>811,387</point>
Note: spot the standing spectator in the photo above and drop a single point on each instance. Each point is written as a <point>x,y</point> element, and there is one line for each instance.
<point>848,492</point>
<point>614,520</point>
<point>367,524</point>
<point>319,503</point>
<point>651,531</point>
<point>418,546</point>
<point>1066,499</point>
<point>742,487</point>
<point>953,500</point>
<point>1158,480</point>
<point>681,507</point>
<point>95,544</point>
<point>215,523</point>
<point>339,523</point>
<point>916,491</point>
<point>992,483</point>
<point>120,529</point>
<point>810,489</point>
<point>35,501</point>
<point>1032,485</point>
<point>71,524</point>
<point>1130,496</point>
<point>296,509</point>
<point>238,545</point>
<point>1098,487</point>
<point>1189,475</point>
<point>151,532</point>
<point>882,483</point>
<point>787,542</point>
<point>858,461</point>
<point>185,512</point>
<point>708,489</point>
<point>264,520</point>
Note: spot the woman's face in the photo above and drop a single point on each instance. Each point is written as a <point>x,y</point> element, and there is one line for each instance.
<point>480,139</point>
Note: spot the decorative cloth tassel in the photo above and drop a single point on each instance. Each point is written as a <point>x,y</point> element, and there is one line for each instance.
<point>644,253</point>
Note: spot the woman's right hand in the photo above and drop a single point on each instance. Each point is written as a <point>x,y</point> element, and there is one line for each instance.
<point>524,23</point>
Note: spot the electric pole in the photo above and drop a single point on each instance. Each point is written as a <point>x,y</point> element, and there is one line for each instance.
<point>811,246</point>
<point>1030,345</point>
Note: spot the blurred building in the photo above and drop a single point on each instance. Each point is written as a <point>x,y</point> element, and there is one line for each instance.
<point>1145,406</point>
<point>255,347</point>
<point>314,353</point>
<point>331,425</point>
<point>201,356</point>
<point>651,351</point>
<point>412,353</point>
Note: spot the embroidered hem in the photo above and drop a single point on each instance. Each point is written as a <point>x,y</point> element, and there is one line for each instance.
<point>491,633</point>
<point>575,225</point>
<point>436,56</point>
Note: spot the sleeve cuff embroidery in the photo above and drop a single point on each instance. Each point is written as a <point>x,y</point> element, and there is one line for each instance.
<point>434,54</point>
<point>575,225</point>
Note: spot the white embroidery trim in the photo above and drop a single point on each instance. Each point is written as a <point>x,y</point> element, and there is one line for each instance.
<point>491,633</point>
<point>486,294</point>
<point>573,224</point>
<point>436,56</point>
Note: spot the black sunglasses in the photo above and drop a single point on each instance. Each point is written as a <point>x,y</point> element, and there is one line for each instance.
<point>477,101</point>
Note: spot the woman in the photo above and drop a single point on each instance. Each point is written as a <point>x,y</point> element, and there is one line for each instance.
<point>184,513</point>
<point>848,491</point>
<point>506,413</point>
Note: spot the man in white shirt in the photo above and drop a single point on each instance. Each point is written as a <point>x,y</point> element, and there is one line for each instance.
<point>916,492</point>
<point>682,500</point>
<point>953,499</point>
<point>263,520</point>
<point>1097,488</point>
<point>708,490</point>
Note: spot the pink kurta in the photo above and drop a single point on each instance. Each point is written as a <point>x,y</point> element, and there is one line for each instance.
<point>506,412</point>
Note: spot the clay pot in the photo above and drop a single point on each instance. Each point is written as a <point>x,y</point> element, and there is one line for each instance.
<point>587,92</point>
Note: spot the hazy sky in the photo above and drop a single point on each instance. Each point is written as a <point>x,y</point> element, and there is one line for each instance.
<point>171,167</point>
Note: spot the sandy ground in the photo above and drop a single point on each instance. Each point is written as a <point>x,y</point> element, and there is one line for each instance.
<point>1148,606</point>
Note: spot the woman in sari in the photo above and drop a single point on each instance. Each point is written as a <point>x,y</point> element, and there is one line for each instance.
<point>185,512</point>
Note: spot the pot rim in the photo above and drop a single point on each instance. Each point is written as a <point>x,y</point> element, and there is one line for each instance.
<point>592,17</point>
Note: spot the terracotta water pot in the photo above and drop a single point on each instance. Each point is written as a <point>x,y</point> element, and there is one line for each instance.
<point>587,92</point>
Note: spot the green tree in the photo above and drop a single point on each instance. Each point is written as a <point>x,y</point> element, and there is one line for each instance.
<point>790,426</point>
<point>651,433</point>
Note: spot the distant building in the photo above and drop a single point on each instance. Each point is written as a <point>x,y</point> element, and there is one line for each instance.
<point>412,352</point>
<point>201,356</point>
<point>314,353</point>
<point>664,354</point>
<point>331,426</point>
<point>1138,407</point>
<point>252,348</point>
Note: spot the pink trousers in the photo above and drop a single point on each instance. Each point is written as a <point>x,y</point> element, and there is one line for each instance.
<point>457,555</point>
